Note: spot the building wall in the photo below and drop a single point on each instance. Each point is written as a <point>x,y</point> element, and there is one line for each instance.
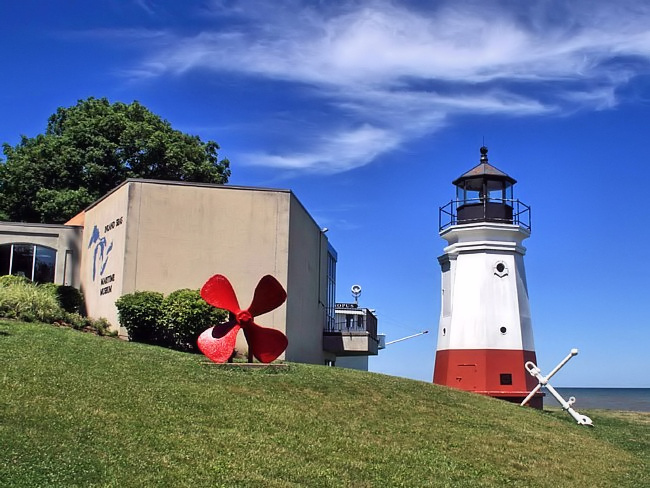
<point>181,235</point>
<point>353,362</point>
<point>307,280</point>
<point>104,249</point>
<point>64,239</point>
<point>174,236</point>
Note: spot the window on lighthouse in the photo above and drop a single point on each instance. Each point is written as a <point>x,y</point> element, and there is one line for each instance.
<point>446,289</point>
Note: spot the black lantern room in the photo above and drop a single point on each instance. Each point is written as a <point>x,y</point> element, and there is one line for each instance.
<point>484,193</point>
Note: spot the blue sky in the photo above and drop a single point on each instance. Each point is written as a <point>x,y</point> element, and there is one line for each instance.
<point>368,110</point>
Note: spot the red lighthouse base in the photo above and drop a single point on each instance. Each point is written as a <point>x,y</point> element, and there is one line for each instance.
<point>498,373</point>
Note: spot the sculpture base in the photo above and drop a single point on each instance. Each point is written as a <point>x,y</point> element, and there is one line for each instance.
<point>279,366</point>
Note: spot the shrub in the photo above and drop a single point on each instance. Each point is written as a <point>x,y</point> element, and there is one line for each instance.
<point>51,288</point>
<point>139,313</point>
<point>8,280</point>
<point>47,302</point>
<point>74,320</point>
<point>175,321</point>
<point>70,299</point>
<point>26,301</point>
<point>186,315</point>
<point>99,326</point>
<point>102,327</point>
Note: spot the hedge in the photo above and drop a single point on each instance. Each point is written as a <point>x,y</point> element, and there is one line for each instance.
<point>186,315</point>
<point>139,313</point>
<point>175,321</point>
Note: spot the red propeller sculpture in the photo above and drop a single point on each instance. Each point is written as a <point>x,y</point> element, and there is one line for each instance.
<point>218,342</point>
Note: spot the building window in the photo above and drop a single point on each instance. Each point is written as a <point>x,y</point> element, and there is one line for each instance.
<point>330,306</point>
<point>349,322</point>
<point>34,262</point>
<point>506,379</point>
<point>5,259</point>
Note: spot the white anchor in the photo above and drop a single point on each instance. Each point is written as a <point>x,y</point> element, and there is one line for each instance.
<point>543,382</point>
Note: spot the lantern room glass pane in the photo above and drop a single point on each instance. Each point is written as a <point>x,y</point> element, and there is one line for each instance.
<point>472,196</point>
<point>496,195</point>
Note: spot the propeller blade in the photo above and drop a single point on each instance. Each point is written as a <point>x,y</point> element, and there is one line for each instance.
<point>268,296</point>
<point>218,342</point>
<point>218,292</point>
<point>265,343</point>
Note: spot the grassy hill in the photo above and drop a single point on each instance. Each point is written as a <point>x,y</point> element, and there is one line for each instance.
<point>81,410</point>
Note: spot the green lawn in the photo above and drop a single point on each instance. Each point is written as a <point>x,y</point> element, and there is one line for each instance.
<point>81,410</point>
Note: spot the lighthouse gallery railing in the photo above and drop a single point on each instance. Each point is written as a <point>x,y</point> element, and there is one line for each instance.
<point>483,211</point>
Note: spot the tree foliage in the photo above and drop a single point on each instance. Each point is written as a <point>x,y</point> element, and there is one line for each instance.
<point>92,147</point>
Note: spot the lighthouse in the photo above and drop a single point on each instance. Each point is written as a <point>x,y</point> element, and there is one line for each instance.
<point>485,335</point>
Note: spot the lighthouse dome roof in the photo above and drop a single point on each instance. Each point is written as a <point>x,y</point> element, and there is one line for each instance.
<point>484,170</point>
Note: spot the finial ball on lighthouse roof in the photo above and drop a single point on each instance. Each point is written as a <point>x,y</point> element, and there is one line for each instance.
<point>484,151</point>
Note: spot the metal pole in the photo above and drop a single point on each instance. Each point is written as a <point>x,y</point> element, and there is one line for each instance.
<point>574,352</point>
<point>408,337</point>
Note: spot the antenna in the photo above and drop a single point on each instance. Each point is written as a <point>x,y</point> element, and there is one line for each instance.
<point>356,291</point>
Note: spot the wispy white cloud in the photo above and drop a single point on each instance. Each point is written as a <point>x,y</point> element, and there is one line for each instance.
<point>333,152</point>
<point>145,5</point>
<point>395,72</point>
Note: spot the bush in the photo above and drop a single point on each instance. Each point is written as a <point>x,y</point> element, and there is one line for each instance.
<point>8,280</point>
<point>175,321</point>
<point>76,321</point>
<point>186,315</point>
<point>102,327</point>
<point>51,288</point>
<point>23,300</point>
<point>47,302</point>
<point>70,299</point>
<point>139,313</point>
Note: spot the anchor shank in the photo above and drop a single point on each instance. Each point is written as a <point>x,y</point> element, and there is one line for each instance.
<point>562,363</point>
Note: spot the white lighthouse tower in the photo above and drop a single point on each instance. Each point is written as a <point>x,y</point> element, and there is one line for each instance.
<point>485,335</point>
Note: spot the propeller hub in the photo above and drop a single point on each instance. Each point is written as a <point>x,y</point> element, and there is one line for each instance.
<point>244,317</point>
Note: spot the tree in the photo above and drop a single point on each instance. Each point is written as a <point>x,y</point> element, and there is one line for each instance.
<point>92,147</point>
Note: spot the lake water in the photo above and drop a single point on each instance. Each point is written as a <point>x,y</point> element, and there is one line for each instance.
<point>634,399</point>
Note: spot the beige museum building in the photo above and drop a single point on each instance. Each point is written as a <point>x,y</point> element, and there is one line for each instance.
<point>150,235</point>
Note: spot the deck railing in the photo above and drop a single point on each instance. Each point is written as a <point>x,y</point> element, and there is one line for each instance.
<point>506,211</point>
<point>354,321</point>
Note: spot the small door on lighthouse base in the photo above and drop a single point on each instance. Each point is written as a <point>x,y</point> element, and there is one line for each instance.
<point>485,334</point>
